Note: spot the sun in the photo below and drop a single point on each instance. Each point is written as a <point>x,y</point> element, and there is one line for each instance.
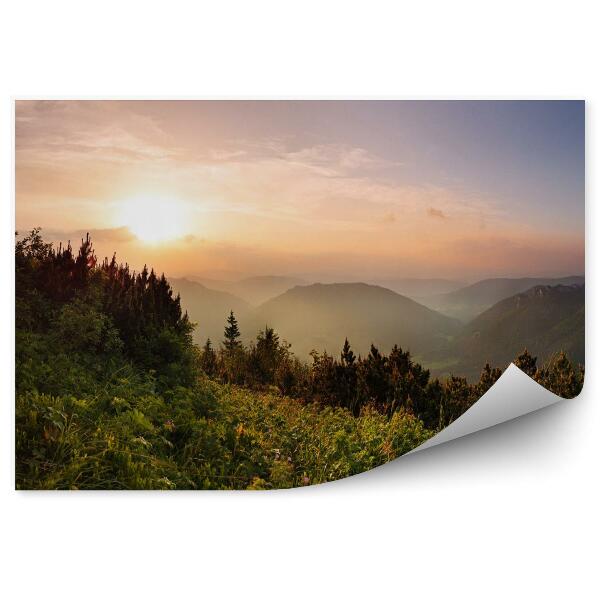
<point>154,220</point>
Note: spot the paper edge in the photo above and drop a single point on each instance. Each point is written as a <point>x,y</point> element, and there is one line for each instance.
<point>513,395</point>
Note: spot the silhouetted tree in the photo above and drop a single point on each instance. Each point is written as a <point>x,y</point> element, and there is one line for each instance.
<point>323,378</point>
<point>265,356</point>
<point>208,359</point>
<point>233,363</point>
<point>373,380</point>
<point>347,392</point>
<point>104,306</point>
<point>231,340</point>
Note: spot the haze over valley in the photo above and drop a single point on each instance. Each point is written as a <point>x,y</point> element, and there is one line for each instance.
<point>498,318</point>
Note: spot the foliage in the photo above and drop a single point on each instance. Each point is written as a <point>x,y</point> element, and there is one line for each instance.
<point>103,311</point>
<point>384,383</point>
<point>112,394</point>
<point>210,437</point>
<point>561,377</point>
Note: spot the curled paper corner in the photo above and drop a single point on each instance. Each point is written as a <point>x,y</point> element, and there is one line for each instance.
<point>513,395</point>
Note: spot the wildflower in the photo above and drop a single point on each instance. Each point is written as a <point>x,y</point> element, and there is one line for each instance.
<point>305,480</point>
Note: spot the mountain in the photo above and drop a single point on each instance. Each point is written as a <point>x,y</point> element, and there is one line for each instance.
<point>208,308</point>
<point>416,288</point>
<point>254,290</point>
<point>466,303</point>
<point>257,290</point>
<point>544,319</point>
<point>321,316</point>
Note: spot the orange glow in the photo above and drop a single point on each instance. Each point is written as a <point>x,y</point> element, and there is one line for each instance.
<point>153,220</point>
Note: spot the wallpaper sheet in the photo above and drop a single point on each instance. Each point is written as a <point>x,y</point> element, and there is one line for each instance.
<point>254,295</point>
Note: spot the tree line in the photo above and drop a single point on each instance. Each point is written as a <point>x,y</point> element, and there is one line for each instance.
<point>387,383</point>
<point>110,393</point>
<point>86,308</point>
<point>87,316</point>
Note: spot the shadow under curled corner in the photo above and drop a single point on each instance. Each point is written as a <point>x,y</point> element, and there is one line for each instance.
<point>513,395</point>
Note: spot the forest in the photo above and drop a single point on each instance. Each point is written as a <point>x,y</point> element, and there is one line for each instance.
<point>113,393</point>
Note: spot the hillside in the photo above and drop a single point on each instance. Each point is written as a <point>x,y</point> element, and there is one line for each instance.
<point>468,302</point>
<point>213,437</point>
<point>207,308</point>
<point>544,319</point>
<point>320,316</point>
<point>254,290</point>
<point>111,393</point>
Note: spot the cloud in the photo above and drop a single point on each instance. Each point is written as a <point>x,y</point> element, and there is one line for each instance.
<point>108,132</point>
<point>436,213</point>
<point>75,162</point>
<point>334,160</point>
<point>92,153</point>
<point>117,235</point>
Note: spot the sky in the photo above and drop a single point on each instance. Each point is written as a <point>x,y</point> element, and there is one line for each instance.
<point>323,190</point>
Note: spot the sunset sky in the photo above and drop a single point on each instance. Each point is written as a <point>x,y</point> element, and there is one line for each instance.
<point>327,190</point>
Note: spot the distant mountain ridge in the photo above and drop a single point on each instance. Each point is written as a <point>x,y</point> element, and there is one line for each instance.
<point>253,290</point>
<point>321,316</point>
<point>468,302</point>
<point>416,288</point>
<point>544,319</point>
<point>207,308</point>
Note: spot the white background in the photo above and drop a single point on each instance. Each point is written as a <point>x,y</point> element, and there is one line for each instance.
<point>510,512</point>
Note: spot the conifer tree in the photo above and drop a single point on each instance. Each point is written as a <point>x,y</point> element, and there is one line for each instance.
<point>232,334</point>
<point>559,376</point>
<point>265,355</point>
<point>208,360</point>
<point>487,379</point>
<point>346,379</point>
<point>527,363</point>
<point>348,356</point>
<point>374,377</point>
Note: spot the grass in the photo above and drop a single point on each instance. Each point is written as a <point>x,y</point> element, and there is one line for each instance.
<point>212,437</point>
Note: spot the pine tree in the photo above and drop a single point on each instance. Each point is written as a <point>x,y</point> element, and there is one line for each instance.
<point>559,376</point>
<point>459,396</point>
<point>346,380</point>
<point>487,379</point>
<point>232,334</point>
<point>373,378</point>
<point>348,356</point>
<point>265,355</point>
<point>208,360</point>
<point>527,363</point>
